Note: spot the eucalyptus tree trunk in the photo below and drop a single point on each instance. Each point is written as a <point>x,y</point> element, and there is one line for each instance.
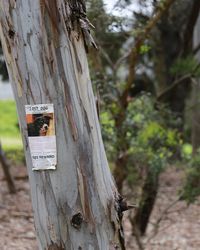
<point>77,205</point>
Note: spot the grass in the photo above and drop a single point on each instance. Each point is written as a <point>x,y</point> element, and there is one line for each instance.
<point>8,121</point>
<point>11,143</point>
<point>9,131</point>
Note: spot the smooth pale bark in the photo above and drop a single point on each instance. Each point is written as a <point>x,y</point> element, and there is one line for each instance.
<point>77,206</point>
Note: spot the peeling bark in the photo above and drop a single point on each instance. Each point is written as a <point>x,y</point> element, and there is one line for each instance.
<point>44,42</point>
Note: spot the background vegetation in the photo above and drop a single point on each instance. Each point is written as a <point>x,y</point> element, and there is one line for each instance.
<point>9,131</point>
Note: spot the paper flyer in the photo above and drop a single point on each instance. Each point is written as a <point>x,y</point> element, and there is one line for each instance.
<point>41,136</point>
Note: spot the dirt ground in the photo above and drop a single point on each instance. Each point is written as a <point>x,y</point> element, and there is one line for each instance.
<point>180,224</point>
<point>16,218</point>
<point>178,230</point>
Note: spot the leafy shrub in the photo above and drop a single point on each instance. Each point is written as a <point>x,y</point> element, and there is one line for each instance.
<point>191,188</point>
<point>186,152</point>
<point>188,65</point>
<point>152,144</point>
<point>150,140</point>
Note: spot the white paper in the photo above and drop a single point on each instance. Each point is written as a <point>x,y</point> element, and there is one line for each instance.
<point>41,135</point>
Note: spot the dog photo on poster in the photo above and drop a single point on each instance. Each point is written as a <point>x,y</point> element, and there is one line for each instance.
<point>41,134</point>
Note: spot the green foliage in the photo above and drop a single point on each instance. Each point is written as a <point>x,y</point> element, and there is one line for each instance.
<point>8,121</point>
<point>161,4</point>
<point>188,65</point>
<point>109,29</point>
<point>151,144</point>
<point>186,151</point>
<point>108,133</point>
<point>9,132</point>
<point>191,188</point>
<point>144,49</point>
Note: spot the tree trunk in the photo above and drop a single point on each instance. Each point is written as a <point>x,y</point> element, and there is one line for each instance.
<point>166,55</point>
<point>75,206</point>
<point>6,170</point>
<point>148,198</point>
<point>196,96</point>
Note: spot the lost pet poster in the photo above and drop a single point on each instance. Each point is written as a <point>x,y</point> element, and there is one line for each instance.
<point>41,136</point>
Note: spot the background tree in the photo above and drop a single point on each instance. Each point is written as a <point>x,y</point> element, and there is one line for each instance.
<point>195,94</point>
<point>3,69</point>
<point>119,102</point>
<point>6,169</point>
<point>191,189</point>
<point>149,64</point>
<point>77,206</point>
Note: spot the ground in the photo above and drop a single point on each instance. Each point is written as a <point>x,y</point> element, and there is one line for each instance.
<point>179,229</point>
<point>180,225</point>
<point>16,218</point>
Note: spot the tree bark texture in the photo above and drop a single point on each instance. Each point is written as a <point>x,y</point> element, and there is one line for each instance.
<point>76,206</point>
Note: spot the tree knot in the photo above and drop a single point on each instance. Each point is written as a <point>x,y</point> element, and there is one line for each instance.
<point>11,33</point>
<point>77,220</point>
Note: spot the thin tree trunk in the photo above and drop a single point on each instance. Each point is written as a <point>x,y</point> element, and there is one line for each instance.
<point>75,206</point>
<point>169,31</point>
<point>195,116</point>
<point>6,170</point>
<point>196,96</point>
<point>148,198</point>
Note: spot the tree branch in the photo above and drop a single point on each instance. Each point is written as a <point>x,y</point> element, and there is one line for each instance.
<point>177,82</point>
<point>134,55</point>
<point>173,85</point>
<point>121,59</point>
<point>106,57</point>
